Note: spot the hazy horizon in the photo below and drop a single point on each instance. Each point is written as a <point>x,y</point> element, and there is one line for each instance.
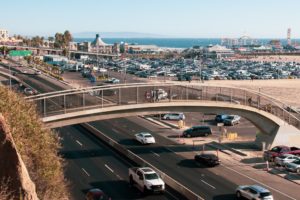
<point>170,18</point>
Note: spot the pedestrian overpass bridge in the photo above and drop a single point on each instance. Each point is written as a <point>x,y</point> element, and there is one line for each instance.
<point>278,123</point>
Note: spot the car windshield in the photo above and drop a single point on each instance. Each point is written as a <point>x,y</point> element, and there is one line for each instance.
<point>297,162</point>
<point>151,176</point>
<point>265,194</point>
<point>276,149</point>
<point>148,136</point>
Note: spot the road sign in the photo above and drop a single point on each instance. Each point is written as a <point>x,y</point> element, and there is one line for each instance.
<point>20,53</point>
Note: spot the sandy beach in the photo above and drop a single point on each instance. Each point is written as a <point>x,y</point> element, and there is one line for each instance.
<point>274,58</point>
<point>286,90</point>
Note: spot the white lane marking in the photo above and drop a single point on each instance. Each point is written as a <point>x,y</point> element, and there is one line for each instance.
<point>85,172</point>
<point>78,142</point>
<point>114,130</point>
<point>171,150</point>
<point>109,168</point>
<point>174,197</point>
<point>208,184</point>
<point>259,182</point>
<point>155,153</point>
<point>119,177</point>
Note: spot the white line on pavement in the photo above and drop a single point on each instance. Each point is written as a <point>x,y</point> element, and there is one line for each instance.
<point>115,130</point>
<point>119,177</point>
<point>174,197</point>
<point>85,172</point>
<point>155,153</point>
<point>170,150</point>
<point>109,168</point>
<point>78,142</point>
<point>208,184</point>
<point>259,182</point>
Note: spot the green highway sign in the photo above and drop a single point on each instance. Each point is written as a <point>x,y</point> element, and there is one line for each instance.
<point>20,53</point>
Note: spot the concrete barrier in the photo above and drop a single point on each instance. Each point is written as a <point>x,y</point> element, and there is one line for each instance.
<point>175,185</point>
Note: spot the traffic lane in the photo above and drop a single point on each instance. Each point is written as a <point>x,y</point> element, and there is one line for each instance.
<point>155,155</point>
<point>91,164</point>
<point>176,166</point>
<point>120,124</point>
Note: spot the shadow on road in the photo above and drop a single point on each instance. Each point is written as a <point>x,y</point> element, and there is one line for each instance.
<point>82,154</point>
<point>225,197</point>
<point>190,163</point>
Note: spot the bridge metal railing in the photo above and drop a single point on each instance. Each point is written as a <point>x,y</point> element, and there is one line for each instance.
<point>73,100</point>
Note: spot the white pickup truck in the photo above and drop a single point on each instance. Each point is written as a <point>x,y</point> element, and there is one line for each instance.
<point>146,180</point>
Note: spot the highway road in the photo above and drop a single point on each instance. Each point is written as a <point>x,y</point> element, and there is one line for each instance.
<point>206,182</point>
<point>164,155</point>
<point>92,164</point>
<point>89,162</point>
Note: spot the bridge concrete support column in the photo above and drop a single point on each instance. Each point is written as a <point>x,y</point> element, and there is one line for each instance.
<point>285,134</point>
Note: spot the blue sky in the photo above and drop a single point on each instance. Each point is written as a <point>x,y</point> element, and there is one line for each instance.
<point>174,18</point>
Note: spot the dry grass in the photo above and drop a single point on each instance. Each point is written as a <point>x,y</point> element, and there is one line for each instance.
<point>38,147</point>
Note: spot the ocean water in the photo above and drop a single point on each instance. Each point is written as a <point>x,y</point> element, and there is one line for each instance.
<point>170,42</point>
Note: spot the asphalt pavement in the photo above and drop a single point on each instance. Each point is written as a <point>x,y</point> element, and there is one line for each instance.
<point>89,162</point>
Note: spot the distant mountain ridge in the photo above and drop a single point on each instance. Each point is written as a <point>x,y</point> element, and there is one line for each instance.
<point>117,35</point>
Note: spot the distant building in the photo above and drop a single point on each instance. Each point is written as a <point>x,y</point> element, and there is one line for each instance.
<point>84,46</point>
<point>143,49</point>
<point>116,48</point>
<point>101,47</point>
<point>276,44</point>
<point>55,60</point>
<point>262,49</point>
<point>4,35</point>
<point>218,51</point>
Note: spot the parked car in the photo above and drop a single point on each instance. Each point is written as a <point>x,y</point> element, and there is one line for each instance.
<point>207,159</point>
<point>293,166</point>
<point>29,91</point>
<point>284,159</point>
<point>253,192</point>
<point>38,72</point>
<point>113,81</point>
<point>232,120</point>
<point>145,138</point>
<point>95,194</point>
<point>174,116</point>
<point>280,150</point>
<point>196,131</point>
<point>220,118</point>
<point>146,180</point>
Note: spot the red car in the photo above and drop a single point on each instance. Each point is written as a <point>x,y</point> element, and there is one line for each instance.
<point>280,150</point>
<point>96,194</point>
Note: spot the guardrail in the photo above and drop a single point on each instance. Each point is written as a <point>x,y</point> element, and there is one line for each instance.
<point>175,185</point>
<point>73,100</point>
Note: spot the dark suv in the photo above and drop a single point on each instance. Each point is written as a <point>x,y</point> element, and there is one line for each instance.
<point>207,159</point>
<point>196,131</point>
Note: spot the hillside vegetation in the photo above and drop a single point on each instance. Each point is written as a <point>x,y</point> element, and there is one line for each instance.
<point>38,147</point>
